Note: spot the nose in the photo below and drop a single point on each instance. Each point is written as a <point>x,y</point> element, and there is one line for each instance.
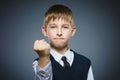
<point>59,32</point>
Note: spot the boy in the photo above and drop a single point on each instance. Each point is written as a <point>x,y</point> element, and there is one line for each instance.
<point>56,60</point>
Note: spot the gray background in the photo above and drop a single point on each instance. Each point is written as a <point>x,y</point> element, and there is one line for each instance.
<point>97,37</point>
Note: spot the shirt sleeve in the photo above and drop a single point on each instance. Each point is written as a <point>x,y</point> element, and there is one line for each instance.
<point>90,74</point>
<point>42,73</point>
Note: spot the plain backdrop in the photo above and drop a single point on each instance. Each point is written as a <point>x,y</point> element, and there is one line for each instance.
<point>97,37</point>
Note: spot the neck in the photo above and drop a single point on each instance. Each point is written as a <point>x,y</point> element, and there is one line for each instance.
<point>60,50</point>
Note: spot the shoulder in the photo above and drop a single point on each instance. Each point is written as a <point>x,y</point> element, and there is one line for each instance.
<point>81,58</point>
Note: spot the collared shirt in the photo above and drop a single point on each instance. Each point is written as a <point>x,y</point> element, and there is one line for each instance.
<point>46,72</point>
<point>68,54</point>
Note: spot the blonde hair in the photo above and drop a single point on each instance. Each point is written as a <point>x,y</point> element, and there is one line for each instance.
<point>57,12</point>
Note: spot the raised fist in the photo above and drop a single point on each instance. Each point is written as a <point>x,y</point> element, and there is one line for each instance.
<point>42,48</point>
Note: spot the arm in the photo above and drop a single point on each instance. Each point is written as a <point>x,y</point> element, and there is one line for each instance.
<point>42,73</point>
<point>42,67</point>
<point>90,74</point>
<point>42,48</point>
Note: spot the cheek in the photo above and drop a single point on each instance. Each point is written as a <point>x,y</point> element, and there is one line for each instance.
<point>67,33</point>
<point>50,34</point>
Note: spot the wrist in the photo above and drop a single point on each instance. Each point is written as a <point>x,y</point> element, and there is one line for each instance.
<point>44,53</point>
<point>43,61</point>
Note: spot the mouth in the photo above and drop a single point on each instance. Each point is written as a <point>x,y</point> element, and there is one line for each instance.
<point>58,38</point>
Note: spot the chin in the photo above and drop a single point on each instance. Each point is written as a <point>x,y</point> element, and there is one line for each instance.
<point>60,46</point>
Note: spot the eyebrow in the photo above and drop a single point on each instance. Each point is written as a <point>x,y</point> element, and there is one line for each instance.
<point>55,24</point>
<point>66,24</point>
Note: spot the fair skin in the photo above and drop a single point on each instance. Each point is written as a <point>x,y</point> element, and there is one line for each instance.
<point>59,33</point>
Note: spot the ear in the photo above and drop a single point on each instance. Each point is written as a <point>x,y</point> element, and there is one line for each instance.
<point>73,31</point>
<point>44,31</point>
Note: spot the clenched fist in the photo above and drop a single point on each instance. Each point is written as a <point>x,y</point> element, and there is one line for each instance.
<point>42,48</point>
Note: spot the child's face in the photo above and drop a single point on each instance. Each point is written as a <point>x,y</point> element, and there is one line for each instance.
<point>59,32</point>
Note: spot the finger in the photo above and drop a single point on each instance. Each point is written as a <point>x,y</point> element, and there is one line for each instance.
<point>42,42</point>
<point>35,44</point>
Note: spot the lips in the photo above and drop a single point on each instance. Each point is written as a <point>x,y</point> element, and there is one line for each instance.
<point>58,38</point>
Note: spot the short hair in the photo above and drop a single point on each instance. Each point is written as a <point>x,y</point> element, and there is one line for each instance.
<point>58,11</point>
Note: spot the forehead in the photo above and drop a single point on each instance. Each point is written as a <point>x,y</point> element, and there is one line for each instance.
<point>59,21</point>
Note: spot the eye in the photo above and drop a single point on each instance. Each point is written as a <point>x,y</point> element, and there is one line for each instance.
<point>52,27</point>
<point>65,27</point>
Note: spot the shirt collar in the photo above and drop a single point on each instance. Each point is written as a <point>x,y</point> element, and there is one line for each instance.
<point>57,56</point>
